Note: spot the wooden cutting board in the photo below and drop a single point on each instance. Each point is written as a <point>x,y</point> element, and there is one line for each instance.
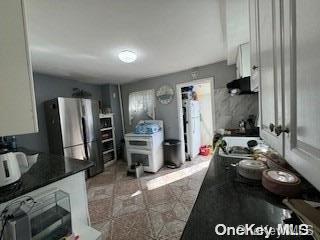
<point>310,214</point>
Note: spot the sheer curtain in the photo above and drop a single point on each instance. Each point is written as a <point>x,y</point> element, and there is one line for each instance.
<point>141,103</point>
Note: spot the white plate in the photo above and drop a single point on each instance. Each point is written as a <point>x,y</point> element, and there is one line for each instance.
<point>281,176</point>
<point>252,164</point>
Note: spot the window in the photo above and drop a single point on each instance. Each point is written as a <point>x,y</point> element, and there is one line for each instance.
<point>141,105</point>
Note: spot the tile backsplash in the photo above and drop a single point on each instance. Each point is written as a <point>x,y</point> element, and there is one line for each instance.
<point>230,110</point>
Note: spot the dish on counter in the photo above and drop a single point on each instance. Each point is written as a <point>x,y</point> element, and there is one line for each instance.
<point>283,183</point>
<point>251,169</point>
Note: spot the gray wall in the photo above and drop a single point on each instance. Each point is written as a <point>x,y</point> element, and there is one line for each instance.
<point>105,91</point>
<point>110,98</point>
<point>221,72</point>
<point>231,110</point>
<point>46,88</point>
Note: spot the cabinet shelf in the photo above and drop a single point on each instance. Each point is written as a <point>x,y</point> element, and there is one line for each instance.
<point>108,115</point>
<point>105,129</point>
<point>107,140</point>
<point>108,151</point>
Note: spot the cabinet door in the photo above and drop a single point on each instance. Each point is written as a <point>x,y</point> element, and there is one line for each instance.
<point>245,60</point>
<point>17,102</point>
<point>301,29</point>
<point>238,64</point>
<point>254,46</point>
<point>270,72</point>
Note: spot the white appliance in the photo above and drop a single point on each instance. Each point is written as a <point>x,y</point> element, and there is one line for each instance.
<point>146,148</point>
<point>193,132</point>
<point>10,167</point>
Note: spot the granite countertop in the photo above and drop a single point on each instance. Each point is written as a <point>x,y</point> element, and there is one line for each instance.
<point>227,198</point>
<point>46,169</point>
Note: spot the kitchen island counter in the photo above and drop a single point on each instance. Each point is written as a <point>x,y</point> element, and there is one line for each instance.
<point>43,170</point>
<point>48,173</point>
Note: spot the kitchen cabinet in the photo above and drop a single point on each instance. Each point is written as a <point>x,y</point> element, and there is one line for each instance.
<point>108,138</point>
<point>17,100</point>
<point>254,46</point>
<point>270,73</point>
<point>243,61</point>
<point>301,63</point>
<point>289,68</point>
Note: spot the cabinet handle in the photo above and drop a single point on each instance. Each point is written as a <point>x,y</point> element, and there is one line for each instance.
<point>278,130</point>
<point>254,67</point>
<point>271,127</point>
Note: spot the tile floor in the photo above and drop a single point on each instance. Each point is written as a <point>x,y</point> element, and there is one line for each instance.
<point>156,206</point>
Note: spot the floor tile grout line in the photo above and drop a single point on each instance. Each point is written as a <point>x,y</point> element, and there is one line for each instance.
<point>112,201</point>
<point>147,208</point>
<point>152,226</point>
<point>129,228</point>
<point>148,211</point>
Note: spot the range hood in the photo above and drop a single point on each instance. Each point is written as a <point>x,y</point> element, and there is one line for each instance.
<point>240,86</point>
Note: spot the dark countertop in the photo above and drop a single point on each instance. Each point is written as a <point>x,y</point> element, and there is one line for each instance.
<point>227,198</point>
<point>47,169</point>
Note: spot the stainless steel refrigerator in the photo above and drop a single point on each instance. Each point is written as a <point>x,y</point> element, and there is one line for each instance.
<point>73,127</point>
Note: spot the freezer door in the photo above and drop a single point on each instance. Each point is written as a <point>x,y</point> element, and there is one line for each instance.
<point>70,120</point>
<point>194,136</point>
<point>194,108</point>
<point>95,156</point>
<point>77,152</point>
<point>91,121</point>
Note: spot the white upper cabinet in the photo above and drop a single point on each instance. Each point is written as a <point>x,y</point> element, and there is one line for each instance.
<point>301,25</point>
<point>17,101</point>
<point>270,72</point>
<point>289,65</point>
<point>243,61</point>
<point>254,45</point>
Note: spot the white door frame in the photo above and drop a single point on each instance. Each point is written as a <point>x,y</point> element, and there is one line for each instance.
<point>209,80</point>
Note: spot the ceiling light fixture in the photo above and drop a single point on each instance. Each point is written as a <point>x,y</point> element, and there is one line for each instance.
<point>127,56</point>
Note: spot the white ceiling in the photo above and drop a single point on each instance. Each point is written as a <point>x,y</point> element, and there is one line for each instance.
<point>237,25</point>
<point>81,39</point>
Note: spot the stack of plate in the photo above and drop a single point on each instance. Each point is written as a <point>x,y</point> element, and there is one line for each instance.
<point>251,169</point>
<point>276,162</point>
<point>281,182</point>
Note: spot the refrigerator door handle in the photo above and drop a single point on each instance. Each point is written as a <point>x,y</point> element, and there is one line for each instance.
<point>83,121</point>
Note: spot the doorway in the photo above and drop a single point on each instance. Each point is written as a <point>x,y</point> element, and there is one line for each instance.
<point>196,115</point>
